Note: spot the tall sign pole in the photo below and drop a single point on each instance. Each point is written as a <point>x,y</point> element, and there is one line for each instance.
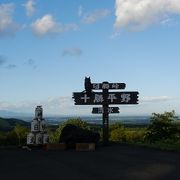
<point>105,98</point>
<point>105,117</point>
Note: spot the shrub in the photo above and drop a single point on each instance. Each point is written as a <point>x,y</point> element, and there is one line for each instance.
<point>72,134</point>
<point>162,127</point>
<point>115,126</point>
<point>133,136</point>
<point>17,136</point>
<point>130,135</point>
<point>21,133</point>
<point>52,136</point>
<point>118,135</point>
<point>12,138</point>
<point>77,122</point>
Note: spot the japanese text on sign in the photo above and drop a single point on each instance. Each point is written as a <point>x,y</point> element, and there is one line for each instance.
<point>82,98</point>
<point>105,85</point>
<point>99,98</point>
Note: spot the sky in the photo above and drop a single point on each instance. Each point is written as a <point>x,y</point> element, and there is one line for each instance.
<point>48,47</point>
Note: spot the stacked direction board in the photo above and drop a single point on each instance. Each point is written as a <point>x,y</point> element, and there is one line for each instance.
<point>90,96</point>
<point>38,134</point>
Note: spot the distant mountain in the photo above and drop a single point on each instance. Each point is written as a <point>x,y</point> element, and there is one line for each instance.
<point>7,124</point>
<point>10,114</point>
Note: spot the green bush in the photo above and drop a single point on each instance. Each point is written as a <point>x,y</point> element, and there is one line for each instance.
<point>21,133</point>
<point>72,134</point>
<point>117,135</point>
<point>133,136</point>
<point>115,126</point>
<point>11,138</point>
<point>15,137</point>
<point>162,127</point>
<point>54,137</point>
<point>127,135</point>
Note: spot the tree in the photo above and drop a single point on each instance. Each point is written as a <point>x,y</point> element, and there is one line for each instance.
<point>21,133</point>
<point>162,127</point>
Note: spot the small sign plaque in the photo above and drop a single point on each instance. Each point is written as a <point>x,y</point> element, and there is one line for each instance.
<point>106,85</point>
<point>100,110</point>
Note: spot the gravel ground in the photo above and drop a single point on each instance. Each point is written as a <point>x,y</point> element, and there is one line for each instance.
<point>113,162</point>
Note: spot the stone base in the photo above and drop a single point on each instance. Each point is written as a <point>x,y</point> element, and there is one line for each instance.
<point>85,146</point>
<point>59,146</point>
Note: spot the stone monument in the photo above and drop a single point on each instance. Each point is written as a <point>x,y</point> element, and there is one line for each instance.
<point>38,134</point>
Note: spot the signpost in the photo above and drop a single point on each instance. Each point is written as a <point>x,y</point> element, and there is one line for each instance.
<point>100,110</point>
<point>97,98</point>
<point>106,85</point>
<point>105,98</point>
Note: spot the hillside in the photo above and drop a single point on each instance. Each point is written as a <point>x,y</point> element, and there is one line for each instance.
<point>7,124</point>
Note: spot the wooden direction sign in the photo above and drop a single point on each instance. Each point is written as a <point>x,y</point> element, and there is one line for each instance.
<point>96,98</point>
<point>100,110</point>
<point>106,85</point>
<point>104,98</point>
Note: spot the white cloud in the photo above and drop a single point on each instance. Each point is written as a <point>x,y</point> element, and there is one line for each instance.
<point>72,52</point>
<point>65,106</point>
<point>30,9</point>
<point>155,99</point>
<point>48,26</point>
<point>7,26</point>
<point>51,106</point>
<point>139,14</point>
<point>95,16</point>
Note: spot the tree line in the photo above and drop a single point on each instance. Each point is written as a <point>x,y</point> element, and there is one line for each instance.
<point>163,129</point>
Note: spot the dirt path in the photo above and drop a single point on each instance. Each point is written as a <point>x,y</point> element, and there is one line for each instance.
<point>107,163</point>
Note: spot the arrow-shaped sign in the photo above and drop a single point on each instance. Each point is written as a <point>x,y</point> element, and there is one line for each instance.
<point>129,97</point>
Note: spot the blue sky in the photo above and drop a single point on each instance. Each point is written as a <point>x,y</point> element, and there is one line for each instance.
<point>48,47</point>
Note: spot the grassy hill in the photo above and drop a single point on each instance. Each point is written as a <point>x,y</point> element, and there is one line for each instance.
<point>7,124</point>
